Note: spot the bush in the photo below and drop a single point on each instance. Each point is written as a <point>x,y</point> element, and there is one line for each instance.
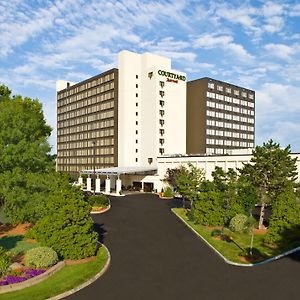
<point>168,192</point>
<point>207,209</point>
<point>41,257</point>
<point>284,223</point>
<point>99,200</point>
<point>67,226</point>
<point>238,223</point>
<point>5,261</point>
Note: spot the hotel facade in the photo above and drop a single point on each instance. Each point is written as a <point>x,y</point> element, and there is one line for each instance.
<point>119,126</point>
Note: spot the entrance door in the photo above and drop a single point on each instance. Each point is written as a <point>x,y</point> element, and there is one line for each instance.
<point>148,187</point>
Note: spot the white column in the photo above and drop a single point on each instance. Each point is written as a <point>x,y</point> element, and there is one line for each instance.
<point>142,186</point>
<point>118,186</point>
<point>80,180</point>
<point>98,185</point>
<point>107,185</point>
<point>89,184</point>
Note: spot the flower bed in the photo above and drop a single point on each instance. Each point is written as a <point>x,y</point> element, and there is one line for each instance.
<point>24,275</point>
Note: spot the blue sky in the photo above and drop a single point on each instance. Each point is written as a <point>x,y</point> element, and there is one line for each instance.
<point>255,44</point>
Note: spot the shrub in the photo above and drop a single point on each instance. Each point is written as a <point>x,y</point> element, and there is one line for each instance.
<point>99,200</point>
<point>5,261</point>
<point>41,257</point>
<point>67,226</point>
<point>207,209</point>
<point>238,223</point>
<point>168,192</point>
<point>285,220</point>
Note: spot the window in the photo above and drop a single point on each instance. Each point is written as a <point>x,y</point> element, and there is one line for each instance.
<point>236,92</point>
<point>251,96</point>
<point>219,97</point>
<point>161,103</point>
<point>228,90</point>
<point>220,88</point>
<point>136,104</point>
<point>211,85</point>
<point>161,93</point>
<point>161,151</point>
<point>161,141</point>
<point>136,141</point>
<point>161,112</point>
<point>136,113</point>
<point>136,85</point>
<point>136,132</point>
<point>136,76</point>
<point>161,131</point>
<point>161,122</point>
<point>210,95</point>
<point>162,84</point>
<point>136,123</point>
<point>136,95</point>
<point>136,160</point>
<point>136,150</point>
<point>244,94</point>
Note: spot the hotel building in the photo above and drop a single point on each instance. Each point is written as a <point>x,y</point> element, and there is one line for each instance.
<point>220,117</point>
<point>124,117</point>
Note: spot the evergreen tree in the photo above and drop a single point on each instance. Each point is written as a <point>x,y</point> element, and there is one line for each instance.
<point>271,171</point>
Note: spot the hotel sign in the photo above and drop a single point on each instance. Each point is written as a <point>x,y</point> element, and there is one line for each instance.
<point>172,77</point>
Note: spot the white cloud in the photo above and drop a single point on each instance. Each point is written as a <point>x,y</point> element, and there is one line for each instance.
<point>281,50</point>
<point>223,42</point>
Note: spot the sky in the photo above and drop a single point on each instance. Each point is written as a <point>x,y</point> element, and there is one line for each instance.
<point>253,44</point>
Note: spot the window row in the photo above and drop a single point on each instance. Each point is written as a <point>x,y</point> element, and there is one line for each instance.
<point>64,106</point>
<point>85,111</point>
<point>231,143</point>
<point>86,160</point>
<point>228,90</point>
<point>97,134</point>
<point>217,105</point>
<point>217,114</point>
<point>229,99</point>
<point>229,125</point>
<point>233,134</point>
<point>86,152</point>
<point>88,85</point>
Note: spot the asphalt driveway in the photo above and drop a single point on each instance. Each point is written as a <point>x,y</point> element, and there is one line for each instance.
<point>155,256</point>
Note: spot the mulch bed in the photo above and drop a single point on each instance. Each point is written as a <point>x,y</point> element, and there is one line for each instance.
<point>19,229</point>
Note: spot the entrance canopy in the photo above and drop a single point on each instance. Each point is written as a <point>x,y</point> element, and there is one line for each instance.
<point>121,171</point>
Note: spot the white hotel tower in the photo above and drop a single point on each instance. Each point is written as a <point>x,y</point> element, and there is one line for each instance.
<point>151,109</point>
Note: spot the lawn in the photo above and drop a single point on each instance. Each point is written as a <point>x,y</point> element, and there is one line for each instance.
<point>67,278</point>
<point>17,244</point>
<point>232,249</point>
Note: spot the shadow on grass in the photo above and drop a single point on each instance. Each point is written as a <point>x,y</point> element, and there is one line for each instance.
<point>10,242</point>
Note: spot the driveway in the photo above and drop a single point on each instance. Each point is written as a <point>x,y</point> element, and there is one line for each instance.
<point>154,256</point>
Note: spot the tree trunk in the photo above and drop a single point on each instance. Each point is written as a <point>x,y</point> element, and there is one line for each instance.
<point>261,216</point>
<point>251,243</point>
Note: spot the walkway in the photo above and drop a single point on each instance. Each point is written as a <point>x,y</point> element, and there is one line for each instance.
<point>154,256</point>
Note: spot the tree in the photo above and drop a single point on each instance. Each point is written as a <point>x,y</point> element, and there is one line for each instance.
<point>23,135</point>
<point>188,181</point>
<point>271,171</point>
<point>25,158</point>
<point>66,225</point>
<point>285,219</point>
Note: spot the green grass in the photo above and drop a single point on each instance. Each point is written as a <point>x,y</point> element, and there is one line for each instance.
<point>17,244</point>
<point>67,278</point>
<point>234,248</point>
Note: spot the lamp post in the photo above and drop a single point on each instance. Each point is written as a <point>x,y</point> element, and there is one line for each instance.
<point>94,166</point>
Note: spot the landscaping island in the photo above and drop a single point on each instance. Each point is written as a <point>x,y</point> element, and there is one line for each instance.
<point>232,246</point>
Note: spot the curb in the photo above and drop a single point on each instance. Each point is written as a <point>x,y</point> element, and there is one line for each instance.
<point>234,263</point>
<point>100,212</point>
<point>32,281</point>
<point>88,282</point>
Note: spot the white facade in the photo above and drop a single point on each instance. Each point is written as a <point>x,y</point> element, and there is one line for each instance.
<point>151,109</point>
<point>208,164</point>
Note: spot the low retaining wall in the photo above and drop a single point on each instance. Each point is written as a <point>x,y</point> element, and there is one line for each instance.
<point>32,281</point>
